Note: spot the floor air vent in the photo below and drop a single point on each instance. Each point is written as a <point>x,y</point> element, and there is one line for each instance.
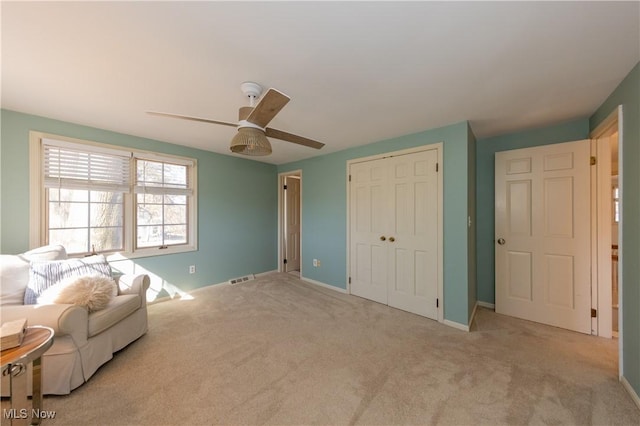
<point>241,279</point>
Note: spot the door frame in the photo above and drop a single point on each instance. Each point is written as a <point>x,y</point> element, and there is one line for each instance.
<point>281,219</point>
<point>604,129</point>
<point>440,176</point>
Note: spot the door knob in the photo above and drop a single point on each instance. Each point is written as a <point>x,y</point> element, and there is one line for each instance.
<point>392,239</point>
<point>501,241</point>
<point>383,238</point>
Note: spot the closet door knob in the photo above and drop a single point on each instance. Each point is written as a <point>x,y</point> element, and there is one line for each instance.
<point>383,238</point>
<point>392,239</point>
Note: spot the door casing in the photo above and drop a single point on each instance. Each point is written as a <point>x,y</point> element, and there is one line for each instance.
<point>281,219</point>
<point>614,123</point>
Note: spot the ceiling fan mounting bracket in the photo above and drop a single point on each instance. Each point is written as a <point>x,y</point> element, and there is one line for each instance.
<point>245,123</point>
<point>251,89</point>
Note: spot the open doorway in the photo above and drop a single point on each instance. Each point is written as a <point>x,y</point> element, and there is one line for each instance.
<point>607,140</point>
<point>289,223</point>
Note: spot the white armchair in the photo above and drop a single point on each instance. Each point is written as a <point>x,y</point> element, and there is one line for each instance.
<point>83,341</point>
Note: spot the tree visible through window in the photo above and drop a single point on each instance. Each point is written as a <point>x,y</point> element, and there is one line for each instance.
<point>162,190</point>
<point>86,221</point>
<point>92,202</point>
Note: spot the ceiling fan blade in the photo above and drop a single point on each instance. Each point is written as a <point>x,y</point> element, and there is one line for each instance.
<point>188,117</point>
<point>288,137</point>
<point>270,104</point>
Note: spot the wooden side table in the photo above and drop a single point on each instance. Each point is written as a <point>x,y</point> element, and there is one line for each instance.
<point>37,340</point>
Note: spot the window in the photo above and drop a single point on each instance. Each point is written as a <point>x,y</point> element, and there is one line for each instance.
<point>84,193</point>
<point>161,190</point>
<point>94,198</point>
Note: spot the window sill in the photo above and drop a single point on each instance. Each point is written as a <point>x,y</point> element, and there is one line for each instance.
<point>151,252</point>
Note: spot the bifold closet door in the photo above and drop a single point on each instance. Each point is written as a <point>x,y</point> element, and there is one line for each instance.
<point>369,206</point>
<point>413,256</point>
<point>394,231</point>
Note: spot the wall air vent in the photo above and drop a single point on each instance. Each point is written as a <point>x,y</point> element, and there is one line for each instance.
<point>242,279</point>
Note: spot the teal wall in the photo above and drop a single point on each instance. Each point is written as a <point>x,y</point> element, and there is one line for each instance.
<point>485,189</point>
<point>324,212</point>
<point>627,94</point>
<point>237,204</point>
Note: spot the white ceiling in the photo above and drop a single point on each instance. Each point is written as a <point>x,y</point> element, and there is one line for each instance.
<point>357,72</point>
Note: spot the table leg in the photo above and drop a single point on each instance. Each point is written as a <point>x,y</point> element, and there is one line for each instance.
<point>36,395</point>
<point>20,413</point>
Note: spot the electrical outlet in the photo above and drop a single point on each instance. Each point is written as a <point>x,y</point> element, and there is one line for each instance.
<point>318,263</point>
<point>192,269</point>
<point>315,263</point>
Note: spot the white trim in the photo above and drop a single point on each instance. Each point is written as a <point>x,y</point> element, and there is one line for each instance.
<point>632,393</point>
<point>607,126</point>
<point>620,241</point>
<point>318,283</point>
<point>36,194</point>
<point>473,314</point>
<point>439,147</point>
<point>456,325</point>
<point>486,305</point>
<point>406,151</point>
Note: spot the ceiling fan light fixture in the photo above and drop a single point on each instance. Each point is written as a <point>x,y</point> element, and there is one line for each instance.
<point>250,141</point>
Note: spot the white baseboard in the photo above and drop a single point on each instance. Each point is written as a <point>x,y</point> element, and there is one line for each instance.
<point>630,390</point>
<point>321,284</point>
<point>473,314</point>
<point>486,305</point>
<point>456,325</point>
<point>463,327</point>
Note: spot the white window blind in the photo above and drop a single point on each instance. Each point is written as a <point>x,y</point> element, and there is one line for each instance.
<point>85,167</point>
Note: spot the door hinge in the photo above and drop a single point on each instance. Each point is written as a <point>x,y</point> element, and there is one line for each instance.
<point>437,303</point>
<point>437,166</point>
<point>594,313</point>
<point>593,161</point>
<point>349,178</point>
<point>285,261</point>
<point>349,280</point>
<point>285,187</point>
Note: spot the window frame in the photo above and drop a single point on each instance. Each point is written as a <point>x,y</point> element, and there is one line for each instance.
<point>160,190</point>
<point>38,215</point>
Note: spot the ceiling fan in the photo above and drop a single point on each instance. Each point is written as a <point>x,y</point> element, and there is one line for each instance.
<point>251,138</point>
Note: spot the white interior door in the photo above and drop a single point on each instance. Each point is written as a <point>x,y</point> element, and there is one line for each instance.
<point>292,223</point>
<point>394,258</point>
<point>542,226</point>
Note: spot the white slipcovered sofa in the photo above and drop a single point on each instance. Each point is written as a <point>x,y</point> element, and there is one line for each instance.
<point>83,340</point>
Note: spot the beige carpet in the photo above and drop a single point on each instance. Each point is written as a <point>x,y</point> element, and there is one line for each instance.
<point>280,351</point>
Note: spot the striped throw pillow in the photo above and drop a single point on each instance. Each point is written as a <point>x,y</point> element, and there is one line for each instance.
<point>43,274</point>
